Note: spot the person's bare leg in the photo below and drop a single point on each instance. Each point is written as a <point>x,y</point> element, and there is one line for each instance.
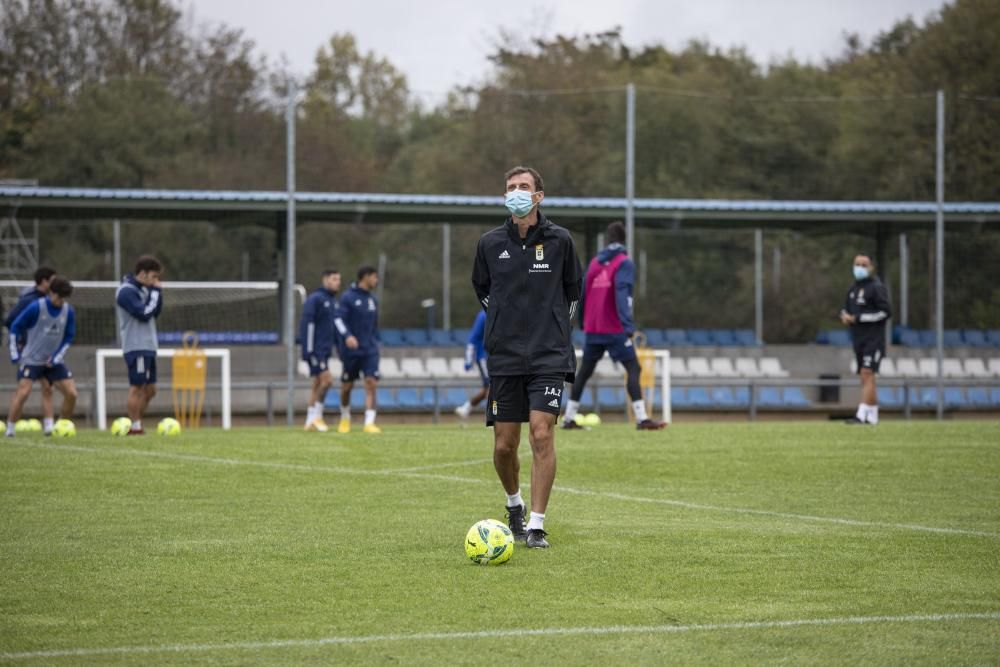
<point>68,390</point>
<point>17,402</point>
<point>543,466</point>
<point>48,405</point>
<point>136,402</point>
<point>506,440</point>
<point>869,394</point>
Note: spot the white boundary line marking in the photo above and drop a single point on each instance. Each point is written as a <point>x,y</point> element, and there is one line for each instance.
<point>494,634</point>
<point>437,466</point>
<point>471,480</point>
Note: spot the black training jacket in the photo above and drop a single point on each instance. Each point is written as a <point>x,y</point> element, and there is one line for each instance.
<point>530,289</point>
<point>868,301</point>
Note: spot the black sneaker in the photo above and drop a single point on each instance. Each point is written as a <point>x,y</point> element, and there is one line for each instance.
<point>854,421</point>
<point>650,425</point>
<point>571,425</point>
<point>515,521</point>
<point>536,539</point>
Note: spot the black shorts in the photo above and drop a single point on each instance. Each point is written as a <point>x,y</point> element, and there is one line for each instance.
<point>869,353</point>
<point>513,397</point>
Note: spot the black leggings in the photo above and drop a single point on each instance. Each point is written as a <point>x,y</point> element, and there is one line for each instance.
<point>587,367</point>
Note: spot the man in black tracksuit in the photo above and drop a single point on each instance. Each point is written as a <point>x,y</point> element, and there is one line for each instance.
<point>528,278</point>
<point>866,310</point>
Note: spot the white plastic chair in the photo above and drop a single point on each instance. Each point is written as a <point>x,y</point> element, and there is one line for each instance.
<point>747,367</point>
<point>699,367</point>
<point>771,367</point>
<point>678,368</point>
<point>437,367</point>
<point>413,368</point>
<point>907,367</point>
<point>723,367</point>
<point>976,368</point>
<point>388,367</point>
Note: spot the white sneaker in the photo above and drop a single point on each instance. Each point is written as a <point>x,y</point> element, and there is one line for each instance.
<point>464,410</point>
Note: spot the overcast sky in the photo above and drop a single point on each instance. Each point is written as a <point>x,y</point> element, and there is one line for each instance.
<point>443,43</point>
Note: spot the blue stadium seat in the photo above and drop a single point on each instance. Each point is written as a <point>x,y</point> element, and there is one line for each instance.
<point>679,397</point>
<point>723,397</point>
<point>742,396</point>
<point>611,397</point>
<point>995,396</point>
<point>839,337</point>
<point>357,398</point>
<point>724,337</point>
<point>953,338</point>
<point>823,337</point>
<point>655,337</point>
<point>975,337</point>
<point>392,337</point>
<point>699,337</point>
<point>978,397</point>
<point>452,397</point>
<point>993,336</point>
<point>923,397</point>
<point>416,337</point>
<point>909,337</point>
<point>890,397</point>
<point>954,397</point>
<point>384,397</point>
<point>698,397</point>
<point>441,338</point>
<point>745,337</point>
<point>460,336</point>
<point>676,337</point>
<point>427,398</point>
<point>793,397</point>
<point>408,397</point>
<point>927,338</point>
<point>769,397</point>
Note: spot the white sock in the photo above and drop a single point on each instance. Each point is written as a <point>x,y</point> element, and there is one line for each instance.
<point>137,425</point>
<point>318,410</point>
<point>10,431</point>
<point>571,409</point>
<point>345,412</point>
<point>536,521</point>
<point>310,415</point>
<point>872,414</point>
<point>369,417</point>
<point>515,500</point>
<point>47,424</point>
<point>862,412</point>
<point>639,408</point>
<point>466,407</point>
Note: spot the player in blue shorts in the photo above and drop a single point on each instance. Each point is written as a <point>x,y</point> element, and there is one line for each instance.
<point>475,355</point>
<point>28,296</point>
<point>48,326</point>
<point>357,326</point>
<point>318,337</point>
<point>139,301</point>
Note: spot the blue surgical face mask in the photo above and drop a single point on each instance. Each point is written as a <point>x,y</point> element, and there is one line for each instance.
<point>860,273</point>
<point>519,202</point>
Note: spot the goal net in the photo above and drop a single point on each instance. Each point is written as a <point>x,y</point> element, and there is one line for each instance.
<point>220,312</point>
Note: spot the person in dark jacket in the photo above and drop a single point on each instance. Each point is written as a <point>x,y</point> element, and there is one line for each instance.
<point>318,337</point>
<point>527,278</point>
<point>357,326</point>
<point>606,313</point>
<point>866,310</point>
<point>28,296</point>
<point>138,302</point>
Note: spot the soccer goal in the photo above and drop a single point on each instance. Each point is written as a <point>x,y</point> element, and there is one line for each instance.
<point>225,371</point>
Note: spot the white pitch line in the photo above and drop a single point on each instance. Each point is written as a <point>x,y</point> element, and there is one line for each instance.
<point>437,466</point>
<point>471,480</point>
<point>499,634</point>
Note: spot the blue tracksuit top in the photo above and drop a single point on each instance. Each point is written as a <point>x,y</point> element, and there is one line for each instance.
<point>317,332</point>
<point>358,317</point>
<point>475,348</point>
<point>28,296</point>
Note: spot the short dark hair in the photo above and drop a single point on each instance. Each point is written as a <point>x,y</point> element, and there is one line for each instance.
<point>43,273</point>
<point>366,270</point>
<point>329,272</point>
<point>147,263</point>
<point>616,232</point>
<point>871,258</point>
<point>61,286</point>
<point>524,170</point>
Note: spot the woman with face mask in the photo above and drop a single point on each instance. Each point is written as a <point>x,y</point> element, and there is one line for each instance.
<point>866,310</point>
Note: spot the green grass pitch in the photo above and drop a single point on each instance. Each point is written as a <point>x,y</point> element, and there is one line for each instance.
<point>715,544</point>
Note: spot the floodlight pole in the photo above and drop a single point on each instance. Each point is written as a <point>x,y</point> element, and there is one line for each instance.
<point>939,254</point>
<point>290,254</point>
<point>904,280</point>
<point>630,169</point>
<point>758,285</point>
<point>446,276</point>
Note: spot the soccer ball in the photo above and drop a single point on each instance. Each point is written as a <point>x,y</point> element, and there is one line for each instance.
<point>489,542</point>
<point>593,419</point>
<point>121,426</point>
<point>32,426</point>
<point>64,428</point>
<point>21,426</point>
<point>580,419</point>
<point>168,426</point>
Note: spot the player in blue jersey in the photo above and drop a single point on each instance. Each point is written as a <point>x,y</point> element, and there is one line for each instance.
<point>28,296</point>
<point>138,302</point>
<point>318,337</point>
<point>475,355</point>
<point>48,326</point>
<point>357,326</point>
